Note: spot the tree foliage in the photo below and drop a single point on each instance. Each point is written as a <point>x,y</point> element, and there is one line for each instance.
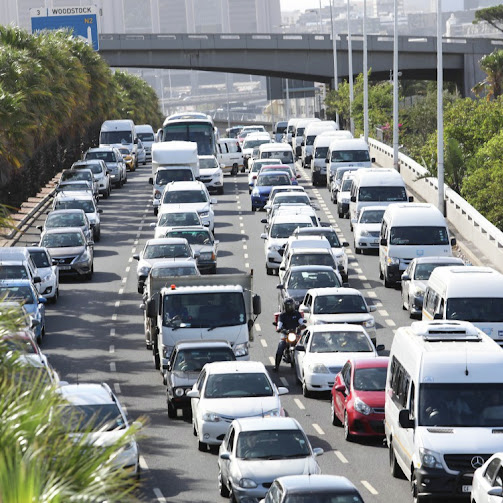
<point>492,65</point>
<point>492,15</point>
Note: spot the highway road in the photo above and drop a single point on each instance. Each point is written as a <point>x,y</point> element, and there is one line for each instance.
<point>95,333</point>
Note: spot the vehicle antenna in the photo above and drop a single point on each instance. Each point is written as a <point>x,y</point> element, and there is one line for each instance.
<point>466,360</point>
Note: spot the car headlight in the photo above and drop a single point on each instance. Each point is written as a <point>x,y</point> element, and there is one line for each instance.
<point>143,271</point>
<point>362,407</point>
<point>247,484</point>
<point>274,248</point>
<point>157,194</point>
<point>255,193</point>
<point>203,214</point>
<point>318,368</point>
<point>317,168</point>
<point>83,257</point>
<point>272,413</point>
<point>392,260</point>
<point>179,391</point>
<point>345,200</point>
<point>207,256</point>
<point>368,323</point>
<point>47,277</point>
<point>417,291</point>
<point>211,417</point>
<point>166,351</point>
<point>430,459</point>
<point>241,349</point>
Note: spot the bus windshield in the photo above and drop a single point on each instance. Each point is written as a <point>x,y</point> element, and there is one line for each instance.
<point>200,132</point>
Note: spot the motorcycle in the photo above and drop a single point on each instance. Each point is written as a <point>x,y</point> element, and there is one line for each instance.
<point>292,337</point>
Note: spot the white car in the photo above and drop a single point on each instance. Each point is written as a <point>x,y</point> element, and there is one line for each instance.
<point>487,484</point>
<point>157,250</point>
<point>344,195</point>
<point>211,173</point>
<point>173,217</point>
<point>298,198</point>
<point>254,166</point>
<point>367,228</point>
<point>141,153</point>
<point>190,196</point>
<point>230,390</point>
<point>95,406</point>
<point>278,232</point>
<point>294,209</point>
<point>323,350</point>
<point>251,142</point>
<point>48,273</point>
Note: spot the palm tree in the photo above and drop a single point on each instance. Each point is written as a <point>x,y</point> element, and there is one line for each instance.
<point>492,65</point>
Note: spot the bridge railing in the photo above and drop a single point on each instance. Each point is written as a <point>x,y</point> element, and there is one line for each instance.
<point>468,222</point>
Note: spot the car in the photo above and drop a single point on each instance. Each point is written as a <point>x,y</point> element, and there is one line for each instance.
<point>71,252</point>
<point>128,157</point>
<point>78,200</point>
<point>86,175</point>
<point>291,198</point>
<point>308,256</point>
<point>114,161</point>
<point>251,141</point>
<point>415,279</point>
<point>190,196</point>
<point>311,489</point>
<point>336,181</point>
<point>165,175</point>
<point>68,218</point>
<point>255,451</point>
<point>300,278</point>
<point>211,173</point>
<point>263,185</point>
<point>186,361</point>
<point>281,167</point>
<point>172,218</point>
<point>76,186</point>
<point>16,263</point>
<point>156,250</point>
<point>284,188</point>
<point>100,172</point>
<point>24,292</point>
<point>94,411</point>
<point>487,484</point>
<point>141,153</point>
<point>49,275</point>
<point>367,228</point>
<point>344,194</point>
<point>254,166</point>
<point>293,209</point>
<point>203,245</point>
<point>229,390</point>
<point>338,305</point>
<point>357,397</point>
<point>230,155</point>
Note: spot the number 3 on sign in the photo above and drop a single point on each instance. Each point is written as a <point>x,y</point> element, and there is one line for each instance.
<point>88,20</point>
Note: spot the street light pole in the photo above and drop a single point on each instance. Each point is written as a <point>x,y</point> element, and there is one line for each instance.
<point>440,112</point>
<point>365,77</point>
<point>334,51</point>
<point>350,74</point>
<point>395,86</point>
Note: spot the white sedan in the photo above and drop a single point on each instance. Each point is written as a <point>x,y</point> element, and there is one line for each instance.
<point>367,228</point>
<point>173,217</point>
<point>323,350</point>
<point>226,391</point>
<point>487,484</point>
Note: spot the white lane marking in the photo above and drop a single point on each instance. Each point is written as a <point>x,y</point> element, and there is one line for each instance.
<point>372,294</point>
<point>257,327</point>
<point>263,342</point>
<point>318,429</point>
<point>271,359</point>
<point>245,247</point>
<point>369,487</point>
<point>378,304</point>
<point>242,231</point>
<point>111,349</point>
<point>243,239</point>
<point>241,224</point>
<point>128,269</point>
<point>284,381</point>
<point>367,285</point>
<point>142,221</point>
<point>113,368</point>
<point>358,270</point>
<point>362,277</point>
<point>159,495</point>
<point>117,387</point>
<point>246,255</point>
<point>135,242</point>
<point>240,218</point>
<point>124,280</point>
<point>383,312</point>
<point>130,259</point>
<point>341,457</point>
<point>112,332</point>
<point>133,251</point>
<point>117,303</point>
<point>390,323</point>
<point>247,265</point>
<point>114,317</point>
<point>143,463</point>
<point>138,234</point>
<point>121,291</point>
<point>299,404</point>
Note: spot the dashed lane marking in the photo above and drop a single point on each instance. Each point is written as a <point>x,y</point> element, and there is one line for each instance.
<point>111,349</point>
<point>390,323</point>
<point>246,255</point>
<point>263,342</point>
<point>114,317</point>
<point>133,251</point>
<point>367,285</point>
<point>383,312</point>
<point>158,494</point>
<point>362,277</point>
<point>128,269</point>
<point>113,368</point>
<point>247,265</point>
<point>112,332</point>
<point>284,381</point>
<point>117,303</point>
<point>130,259</point>
<point>257,327</point>
<point>117,388</point>
<point>143,463</point>
<point>372,294</point>
<point>271,359</point>
<point>121,291</point>
<point>318,429</point>
<point>245,247</point>
<point>369,487</point>
<point>341,456</point>
<point>358,270</point>
<point>242,231</point>
<point>124,280</point>
<point>299,404</point>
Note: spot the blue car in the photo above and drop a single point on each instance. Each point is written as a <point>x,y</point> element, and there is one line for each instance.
<point>265,181</point>
<point>24,292</point>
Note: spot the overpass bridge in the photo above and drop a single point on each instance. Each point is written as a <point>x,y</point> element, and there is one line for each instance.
<point>298,56</point>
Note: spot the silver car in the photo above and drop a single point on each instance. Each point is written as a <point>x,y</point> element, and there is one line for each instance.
<point>113,160</point>
<point>68,218</point>
<point>256,451</point>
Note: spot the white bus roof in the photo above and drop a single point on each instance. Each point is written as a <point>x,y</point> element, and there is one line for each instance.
<point>373,177</point>
<point>348,144</point>
<point>414,214</point>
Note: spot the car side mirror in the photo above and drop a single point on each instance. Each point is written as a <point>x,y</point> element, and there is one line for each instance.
<point>225,455</point>
<point>353,199</point>
<point>263,236</point>
<point>373,159</point>
<point>495,491</point>
<point>40,227</point>
<point>405,277</point>
<point>213,201</point>
<point>340,388</point>
<point>306,309</point>
<point>282,268</point>
<point>404,419</point>
<point>345,244</point>
<point>151,181</point>
<point>150,308</point>
<point>197,254</point>
<point>453,241</point>
<point>100,211</point>
<point>263,221</point>
<point>283,391</point>
<point>153,225</point>
<point>437,316</point>
<point>256,304</point>
<point>318,451</point>
<point>380,347</point>
<point>372,309</point>
<point>42,300</point>
<point>300,347</point>
<point>280,286</point>
<point>136,256</point>
<point>193,393</point>
<point>383,242</point>
<point>37,279</point>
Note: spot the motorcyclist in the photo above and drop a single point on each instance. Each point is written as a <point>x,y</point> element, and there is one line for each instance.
<point>289,320</point>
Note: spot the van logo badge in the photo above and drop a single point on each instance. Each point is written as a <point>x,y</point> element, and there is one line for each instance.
<point>477,462</point>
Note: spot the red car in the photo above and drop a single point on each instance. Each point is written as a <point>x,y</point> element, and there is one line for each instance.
<point>358,397</point>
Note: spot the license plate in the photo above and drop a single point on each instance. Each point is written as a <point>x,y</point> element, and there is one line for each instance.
<point>466,489</point>
<point>64,267</point>
<point>375,241</point>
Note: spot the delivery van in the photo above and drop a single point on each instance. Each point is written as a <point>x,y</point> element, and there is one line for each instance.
<point>122,134</point>
<point>350,152</point>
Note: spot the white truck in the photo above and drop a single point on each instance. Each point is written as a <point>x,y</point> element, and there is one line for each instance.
<point>199,307</point>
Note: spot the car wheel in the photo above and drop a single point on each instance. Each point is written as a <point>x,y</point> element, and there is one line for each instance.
<point>335,420</point>
<point>232,498</point>
<point>234,170</point>
<point>213,270</point>
<point>148,345</point>
<point>380,272</point>
<point>357,250</point>
<point>305,391</point>
<point>222,488</point>
<point>388,283</point>
<point>156,211</point>
<point>202,446</point>
<point>347,435</point>
<point>413,486</point>
<point>269,271</point>
<point>394,467</point>
<point>340,213</point>
<point>194,431</point>
<point>106,194</point>
<point>253,208</point>
<point>54,299</point>
<point>89,275</point>
<point>171,409</point>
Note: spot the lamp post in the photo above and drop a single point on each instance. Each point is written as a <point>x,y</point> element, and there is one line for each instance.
<point>396,165</point>
<point>350,75</point>
<point>440,112</point>
<point>334,51</point>
<point>365,77</point>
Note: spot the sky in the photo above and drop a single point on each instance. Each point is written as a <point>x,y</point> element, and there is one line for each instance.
<point>288,5</point>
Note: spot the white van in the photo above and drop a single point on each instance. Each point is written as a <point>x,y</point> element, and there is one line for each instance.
<point>230,155</point>
<point>473,294</point>
<point>312,130</point>
<point>146,134</point>
<point>409,231</point>
<point>122,134</point>
<point>319,155</point>
<point>350,152</point>
<point>444,406</point>
<point>280,151</point>
<point>375,187</point>
<point>287,138</point>
<point>298,134</point>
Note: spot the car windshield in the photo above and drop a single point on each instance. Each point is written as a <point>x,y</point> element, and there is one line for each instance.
<point>260,163</point>
<point>146,136</point>
<point>272,444</point>
<point>285,230</point>
<point>204,310</point>
<point>285,156</point>
<point>387,194</point>
<point>193,360</point>
<point>476,309</point>
<point>124,151</point>
<point>179,219</point>
<point>13,272</point>
<point>76,204</point>
<point>62,240</point>
<point>255,143</point>
<point>19,344</point>
<point>208,163</point>
<point>106,156</point>
<point>461,404</point>
<point>103,417</point>
<point>331,236</point>
<point>23,294</point>
<point>335,304</point>
<point>292,198</point>
<point>40,258</point>
<point>371,216</point>
<point>350,156</point>
<point>304,280</point>
<point>346,185</point>
<point>419,235</point>
<point>269,179</point>
<point>75,175</point>
<point>173,250</point>
<point>341,342</point>
<point>423,271</point>
<point>111,137</point>
<point>195,237</point>
<point>320,152</point>
<point>185,196</point>
<point>322,498</point>
<point>165,176</point>
<point>73,186</point>
<point>95,168</point>
<point>238,385</point>
<point>312,259</point>
<point>65,220</point>
<point>168,272</point>
<point>310,139</point>
<point>370,379</point>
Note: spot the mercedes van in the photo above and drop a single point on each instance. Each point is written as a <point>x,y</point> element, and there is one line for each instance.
<point>312,130</point>
<point>350,152</point>
<point>319,155</point>
<point>120,133</point>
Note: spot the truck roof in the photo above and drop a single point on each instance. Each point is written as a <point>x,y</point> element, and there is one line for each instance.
<point>414,214</point>
<point>348,144</point>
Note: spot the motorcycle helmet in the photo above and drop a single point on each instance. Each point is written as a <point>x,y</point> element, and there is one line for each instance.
<point>289,304</point>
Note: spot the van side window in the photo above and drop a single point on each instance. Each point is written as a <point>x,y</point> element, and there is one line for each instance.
<point>432,301</point>
<point>412,400</point>
<point>399,382</point>
<point>384,228</point>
